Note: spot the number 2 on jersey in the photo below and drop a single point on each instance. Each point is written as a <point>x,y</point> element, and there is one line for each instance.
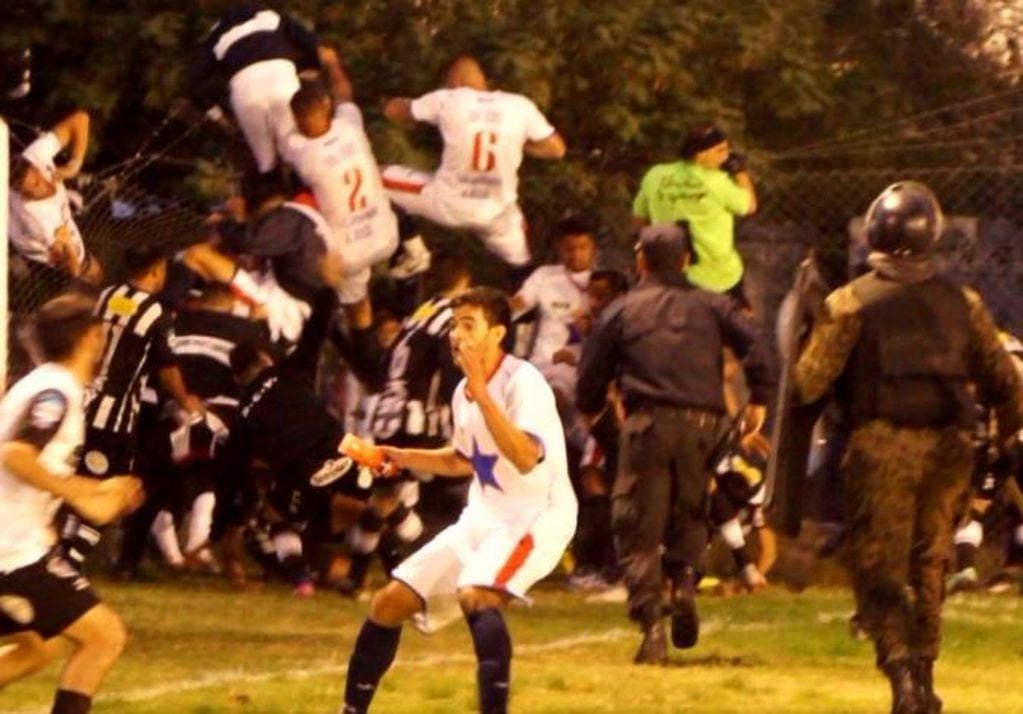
<point>483,156</point>
<point>353,180</point>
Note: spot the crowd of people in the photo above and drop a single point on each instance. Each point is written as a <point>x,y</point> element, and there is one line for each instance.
<point>244,400</point>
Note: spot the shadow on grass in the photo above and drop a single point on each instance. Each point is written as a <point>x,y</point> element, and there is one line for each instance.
<point>714,660</point>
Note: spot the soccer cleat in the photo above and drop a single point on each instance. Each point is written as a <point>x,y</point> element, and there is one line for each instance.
<point>304,589</point>
<point>654,648</point>
<point>414,259</point>
<point>923,676</point>
<point>964,581</point>
<point>904,692</point>
<point>1004,582</point>
<point>685,622</point>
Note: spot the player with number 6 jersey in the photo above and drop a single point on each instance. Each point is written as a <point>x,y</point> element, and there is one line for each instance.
<point>485,136</point>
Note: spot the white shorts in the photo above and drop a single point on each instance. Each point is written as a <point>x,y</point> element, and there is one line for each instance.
<point>504,234</point>
<point>359,256</point>
<point>261,100</point>
<point>487,553</point>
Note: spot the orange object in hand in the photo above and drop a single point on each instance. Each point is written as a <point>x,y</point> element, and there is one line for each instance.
<point>363,453</point>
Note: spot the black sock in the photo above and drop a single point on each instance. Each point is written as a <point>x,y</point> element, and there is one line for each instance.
<point>374,652</point>
<point>493,652</point>
<point>68,702</point>
<point>966,556</point>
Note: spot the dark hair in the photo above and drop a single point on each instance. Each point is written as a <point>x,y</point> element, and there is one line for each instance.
<point>58,325</point>
<point>614,279</point>
<point>257,189</point>
<point>245,356</point>
<point>450,266</point>
<point>701,137</point>
<point>18,171</point>
<point>666,257</point>
<point>310,95</point>
<point>138,259</point>
<point>494,304</point>
<point>574,224</point>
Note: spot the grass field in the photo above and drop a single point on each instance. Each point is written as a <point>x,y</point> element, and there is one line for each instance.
<point>197,646</point>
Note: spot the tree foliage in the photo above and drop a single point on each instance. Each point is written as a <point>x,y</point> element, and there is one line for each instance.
<point>622,81</point>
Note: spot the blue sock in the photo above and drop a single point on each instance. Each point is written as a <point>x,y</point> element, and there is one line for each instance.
<point>374,652</point>
<point>493,652</point>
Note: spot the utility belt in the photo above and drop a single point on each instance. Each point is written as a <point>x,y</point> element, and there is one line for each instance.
<point>696,416</point>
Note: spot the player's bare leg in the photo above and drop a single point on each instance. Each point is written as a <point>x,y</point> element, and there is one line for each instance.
<point>482,608</point>
<point>25,653</point>
<point>98,637</point>
<point>377,643</point>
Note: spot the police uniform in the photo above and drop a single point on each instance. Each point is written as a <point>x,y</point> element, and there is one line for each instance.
<point>663,341</point>
<point>900,345</point>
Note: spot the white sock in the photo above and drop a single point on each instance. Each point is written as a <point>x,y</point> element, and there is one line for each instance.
<point>200,522</point>
<point>970,534</point>
<point>166,538</point>
<point>287,543</point>
<point>731,533</point>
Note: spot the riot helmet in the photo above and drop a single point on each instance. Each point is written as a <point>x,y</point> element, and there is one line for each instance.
<point>905,219</point>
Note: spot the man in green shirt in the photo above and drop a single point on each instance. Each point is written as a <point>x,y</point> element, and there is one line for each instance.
<point>707,188</point>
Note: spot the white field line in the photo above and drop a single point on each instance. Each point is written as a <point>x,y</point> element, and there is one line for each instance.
<point>237,676</point>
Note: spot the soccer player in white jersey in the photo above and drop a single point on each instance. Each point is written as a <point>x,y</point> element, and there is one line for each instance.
<point>485,135</point>
<point>42,597</point>
<point>42,228</point>
<point>333,156</point>
<point>520,515</point>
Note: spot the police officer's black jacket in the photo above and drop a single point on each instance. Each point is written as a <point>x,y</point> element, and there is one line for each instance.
<point>663,341</point>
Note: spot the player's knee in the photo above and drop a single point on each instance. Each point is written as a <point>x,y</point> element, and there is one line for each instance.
<point>393,604</point>
<point>473,599</point>
<point>113,636</point>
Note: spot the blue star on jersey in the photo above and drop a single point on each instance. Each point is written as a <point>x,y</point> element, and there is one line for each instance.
<point>483,464</point>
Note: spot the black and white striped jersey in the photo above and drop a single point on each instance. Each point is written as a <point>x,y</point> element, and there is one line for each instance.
<point>139,332</point>
<point>202,344</point>
<point>421,377</point>
<point>245,35</point>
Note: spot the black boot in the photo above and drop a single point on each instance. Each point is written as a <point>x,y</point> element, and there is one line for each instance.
<point>685,623</point>
<point>654,649</point>
<point>904,693</point>
<point>923,675</point>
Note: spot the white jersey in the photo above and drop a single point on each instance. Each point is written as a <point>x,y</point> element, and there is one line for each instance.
<point>484,134</point>
<point>34,223</point>
<point>340,168</point>
<point>558,295</point>
<point>44,409</point>
<point>498,491</point>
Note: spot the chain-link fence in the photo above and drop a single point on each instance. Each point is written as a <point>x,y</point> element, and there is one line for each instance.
<point>113,217</point>
<point>821,210</point>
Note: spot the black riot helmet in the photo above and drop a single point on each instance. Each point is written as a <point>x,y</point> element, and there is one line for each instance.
<point>904,220</point>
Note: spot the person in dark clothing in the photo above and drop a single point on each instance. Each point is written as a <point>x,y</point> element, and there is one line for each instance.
<point>284,423</point>
<point>663,342</point>
<point>250,59</point>
<point>901,346</point>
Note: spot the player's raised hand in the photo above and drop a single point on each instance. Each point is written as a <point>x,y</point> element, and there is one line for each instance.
<point>470,360</point>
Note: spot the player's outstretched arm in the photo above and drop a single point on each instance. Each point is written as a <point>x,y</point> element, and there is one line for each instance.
<point>99,501</point>
<point>73,132</point>
<point>440,462</point>
<point>553,147</point>
<point>399,110</point>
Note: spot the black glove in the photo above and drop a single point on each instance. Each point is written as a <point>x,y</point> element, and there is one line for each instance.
<point>735,163</point>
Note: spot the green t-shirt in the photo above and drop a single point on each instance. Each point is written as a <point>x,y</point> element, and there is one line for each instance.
<point>709,199</point>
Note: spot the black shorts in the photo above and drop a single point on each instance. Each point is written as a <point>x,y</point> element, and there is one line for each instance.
<point>107,453</point>
<point>47,597</point>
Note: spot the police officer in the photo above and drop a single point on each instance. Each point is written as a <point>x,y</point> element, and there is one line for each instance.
<point>663,341</point>
<point>901,344</point>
